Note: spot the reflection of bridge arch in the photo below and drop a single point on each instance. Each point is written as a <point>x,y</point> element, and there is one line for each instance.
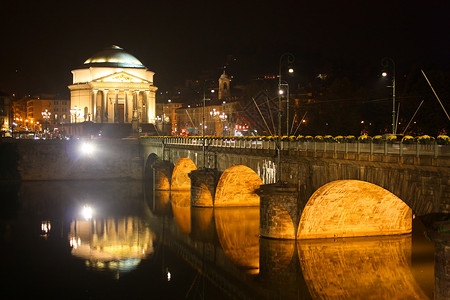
<point>359,268</point>
<point>346,208</point>
<point>180,178</point>
<point>181,208</point>
<point>238,233</point>
<point>237,187</point>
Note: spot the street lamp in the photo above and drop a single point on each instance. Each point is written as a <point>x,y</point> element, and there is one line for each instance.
<point>386,63</point>
<point>223,118</point>
<point>46,115</point>
<point>289,59</point>
<point>214,113</point>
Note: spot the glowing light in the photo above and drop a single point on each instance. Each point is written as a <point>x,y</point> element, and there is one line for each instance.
<point>291,70</point>
<point>45,228</point>
<point>87,148</point>
<point>169,276</point>
<point>384,74</point>
<point>87,212</point>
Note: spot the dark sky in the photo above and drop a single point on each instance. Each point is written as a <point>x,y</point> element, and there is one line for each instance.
<point>42,41</point>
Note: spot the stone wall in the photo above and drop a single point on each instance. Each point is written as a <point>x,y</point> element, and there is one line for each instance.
<point>65,160</point>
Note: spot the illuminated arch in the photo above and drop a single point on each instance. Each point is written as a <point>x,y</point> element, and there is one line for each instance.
<point>238,233</point>
<point>347,208</point>
<point>180,178</point>
<point>237,187</point>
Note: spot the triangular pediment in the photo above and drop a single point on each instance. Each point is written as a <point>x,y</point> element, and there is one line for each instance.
<point>121,77</point>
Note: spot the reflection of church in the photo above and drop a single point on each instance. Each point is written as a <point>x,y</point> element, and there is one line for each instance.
<point>117,244</point>
<point>112,86</point>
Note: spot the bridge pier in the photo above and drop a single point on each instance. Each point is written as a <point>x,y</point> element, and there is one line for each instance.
<point>159,175</point>
<point>279,210</point>
<point>203,186</point>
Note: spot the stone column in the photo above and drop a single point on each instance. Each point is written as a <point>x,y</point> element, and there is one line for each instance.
<point>135,119</point>
<point>147,107</point>
<point>94,109</point>
<point>110,110</point>
<point>105,106</point>
<point>138,106</point>
<point>129,106</point>
<point>116,107</point>
<point>151,107</point>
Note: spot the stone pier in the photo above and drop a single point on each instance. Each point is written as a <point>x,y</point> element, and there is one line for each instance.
<point>279,210</point>
<point>203,186</point>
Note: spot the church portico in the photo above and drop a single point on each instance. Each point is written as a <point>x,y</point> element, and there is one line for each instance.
<point>113,88</point>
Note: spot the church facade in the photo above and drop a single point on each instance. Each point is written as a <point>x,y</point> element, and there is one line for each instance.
<point>112,86</point>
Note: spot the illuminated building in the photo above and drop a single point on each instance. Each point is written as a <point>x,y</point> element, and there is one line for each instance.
<point>28,112</point>
<point>5,113</point>
<point>166,112</point>
<point>113,86</point>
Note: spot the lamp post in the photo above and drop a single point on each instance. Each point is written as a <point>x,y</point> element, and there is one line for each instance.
<point>281,91</point>
<point>203,123</point>
<point>389,62</point>
<point>289,59</point>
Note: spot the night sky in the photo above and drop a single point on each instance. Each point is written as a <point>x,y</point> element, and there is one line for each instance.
<point>42,41</point>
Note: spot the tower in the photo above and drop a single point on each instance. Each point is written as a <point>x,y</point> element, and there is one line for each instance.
<point>224,86</point>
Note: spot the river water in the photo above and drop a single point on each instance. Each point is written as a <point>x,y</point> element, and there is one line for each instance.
<point>120,240</point>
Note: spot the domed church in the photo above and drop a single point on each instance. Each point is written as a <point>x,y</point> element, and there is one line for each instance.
<point>112,86</point>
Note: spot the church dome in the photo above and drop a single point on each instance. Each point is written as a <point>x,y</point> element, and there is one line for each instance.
<point>113,56</point>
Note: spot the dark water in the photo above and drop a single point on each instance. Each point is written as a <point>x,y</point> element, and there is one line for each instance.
<point>143,245</point>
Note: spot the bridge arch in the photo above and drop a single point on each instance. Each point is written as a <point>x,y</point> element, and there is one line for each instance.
<point>236,187</point>
<point>180,178</point>
<point>348,208</point>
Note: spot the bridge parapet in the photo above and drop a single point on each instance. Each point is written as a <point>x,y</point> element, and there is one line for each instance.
<point>384,147</point>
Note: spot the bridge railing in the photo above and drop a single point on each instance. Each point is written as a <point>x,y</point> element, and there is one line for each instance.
<point>383,148</point>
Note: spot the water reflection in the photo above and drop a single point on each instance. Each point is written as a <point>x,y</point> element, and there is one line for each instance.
<point>238,232</point>
<point>189,248</point>
<point>181,208</point>
<point>115,244</point>
<point>359,268</point>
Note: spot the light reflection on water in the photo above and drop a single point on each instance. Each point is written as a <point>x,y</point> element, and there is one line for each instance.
<point>359,268</point>
<point>129,228</point>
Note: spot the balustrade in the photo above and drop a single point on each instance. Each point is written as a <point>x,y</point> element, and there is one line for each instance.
<point>384,148</point>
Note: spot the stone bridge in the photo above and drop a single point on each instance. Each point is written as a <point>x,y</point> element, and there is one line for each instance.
<point>324,190</point>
